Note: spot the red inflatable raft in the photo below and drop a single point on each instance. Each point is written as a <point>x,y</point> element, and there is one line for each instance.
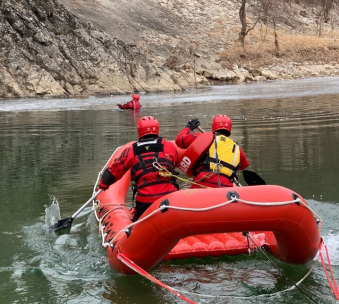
<point>206,222</point>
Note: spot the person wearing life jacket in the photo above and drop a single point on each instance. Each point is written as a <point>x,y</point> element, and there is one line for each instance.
<point>134,104</point>
<point>144,158</point>
<point>217,167</point>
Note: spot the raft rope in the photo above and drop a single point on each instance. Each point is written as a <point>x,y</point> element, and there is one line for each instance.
<point>179,293</point>
<point>102,171</point>
<point>333,286</point>
<point>233,199</point>
<point>281,272</point>
<point>124,259</point>
<point>101,226</point>
<point>297,200</point>
<point>166,173</point>
<point>255,296</point>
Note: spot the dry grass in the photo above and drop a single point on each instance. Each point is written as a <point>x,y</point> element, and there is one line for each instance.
<point>259,52</point>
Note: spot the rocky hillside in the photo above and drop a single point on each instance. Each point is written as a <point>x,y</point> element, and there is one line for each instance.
<point>91,47</point>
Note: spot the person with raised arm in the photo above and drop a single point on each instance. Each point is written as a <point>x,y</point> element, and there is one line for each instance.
<point>220,158</point>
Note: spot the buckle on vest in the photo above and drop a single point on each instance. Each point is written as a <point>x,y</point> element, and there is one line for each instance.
<point>217,167</point>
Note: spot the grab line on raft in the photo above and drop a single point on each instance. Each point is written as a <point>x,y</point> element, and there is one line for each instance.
<point>101,225</point>
<point>232,200</point>
<point>147,275</point>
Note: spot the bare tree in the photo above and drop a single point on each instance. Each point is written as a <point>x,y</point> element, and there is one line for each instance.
<point>242,16</point>
<point>276,41</point>
<point>325,7</point>
<point>244,30</point>
<point>265,7</point>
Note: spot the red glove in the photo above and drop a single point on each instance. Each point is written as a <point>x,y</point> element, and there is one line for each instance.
<point>103,186</point>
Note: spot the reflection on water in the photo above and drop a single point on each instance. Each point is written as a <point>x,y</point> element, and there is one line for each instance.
<point>291,142</point>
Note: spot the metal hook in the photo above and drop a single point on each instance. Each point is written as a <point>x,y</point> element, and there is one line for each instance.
<point>156,164</point>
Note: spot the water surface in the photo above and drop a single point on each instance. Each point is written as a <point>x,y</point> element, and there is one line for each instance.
<point>54,148</point>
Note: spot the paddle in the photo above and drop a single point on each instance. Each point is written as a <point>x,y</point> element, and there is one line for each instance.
<point>251,178</point>
<point>67,222</point>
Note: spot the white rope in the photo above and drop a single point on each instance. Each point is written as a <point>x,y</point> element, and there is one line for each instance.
<point>255,296</point>
<point>233,199</point>
<point>126,229</point>
<point>262,204</point>
<point>297,200</point>
<point>95,204</point>
<point>102,227</point>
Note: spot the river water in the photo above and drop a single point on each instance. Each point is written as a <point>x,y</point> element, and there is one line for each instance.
<point>53,149</point>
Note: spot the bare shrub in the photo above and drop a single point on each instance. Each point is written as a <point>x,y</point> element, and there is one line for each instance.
<point>291,48</point>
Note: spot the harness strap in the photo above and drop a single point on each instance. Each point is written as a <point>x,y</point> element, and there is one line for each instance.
<point>149,162</point>
<point>149,169</point>
<point>216,156</point>
<point>212,173</point>
<point>156,182</point>
<point>219,161</point>
<point>141,163</point>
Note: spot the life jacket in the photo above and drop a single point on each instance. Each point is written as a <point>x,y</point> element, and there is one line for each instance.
<point>224,156</point>
<point>195,152</point>
<point>146,153</point>
<point>127,105</point>
<point>136,104</point>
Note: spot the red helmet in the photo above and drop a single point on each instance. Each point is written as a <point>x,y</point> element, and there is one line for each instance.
<point>147,125</point>
<point>135,97</point>
<point>221,122</point>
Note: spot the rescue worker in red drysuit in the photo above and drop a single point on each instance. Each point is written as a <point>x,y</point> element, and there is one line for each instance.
<point>150,149</point>
<point>134,104</point>
<point>230,160</point>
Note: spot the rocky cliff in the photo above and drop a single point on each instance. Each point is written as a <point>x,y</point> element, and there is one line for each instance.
<point>91,47</point>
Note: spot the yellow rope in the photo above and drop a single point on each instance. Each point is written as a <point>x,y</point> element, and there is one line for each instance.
<point>165,173</point>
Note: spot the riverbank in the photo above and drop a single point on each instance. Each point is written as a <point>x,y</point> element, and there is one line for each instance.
<point>301,88</point>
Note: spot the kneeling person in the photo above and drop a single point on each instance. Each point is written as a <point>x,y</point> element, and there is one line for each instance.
<point>150,148</point>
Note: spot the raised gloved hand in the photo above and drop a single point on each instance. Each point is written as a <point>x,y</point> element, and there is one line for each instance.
<point>103,186</point>
<point>193,123</point>
<point>119,105</point>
